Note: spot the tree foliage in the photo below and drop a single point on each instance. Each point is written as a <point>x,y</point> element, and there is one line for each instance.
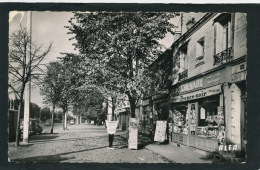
<point>55,88</point>
<point>117,48</point>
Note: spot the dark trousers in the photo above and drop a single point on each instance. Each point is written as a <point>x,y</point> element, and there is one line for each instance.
<point>110,139</point>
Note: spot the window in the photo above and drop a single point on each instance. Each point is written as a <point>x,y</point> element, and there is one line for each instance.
<point>183,57</point>
<point>211,119</point>
<point>222,33</point>
<point>200,49</point>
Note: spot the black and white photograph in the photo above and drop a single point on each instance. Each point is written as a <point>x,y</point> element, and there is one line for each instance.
<point>128,87</point>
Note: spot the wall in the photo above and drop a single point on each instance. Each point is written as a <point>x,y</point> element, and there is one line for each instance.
<point>202,65</point>
<point>240,32</point>
<point>197,66</point>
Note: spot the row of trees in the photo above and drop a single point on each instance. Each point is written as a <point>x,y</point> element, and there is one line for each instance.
<point>115,52</point>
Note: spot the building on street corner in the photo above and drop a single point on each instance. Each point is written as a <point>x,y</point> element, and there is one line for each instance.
<point>205,105</point>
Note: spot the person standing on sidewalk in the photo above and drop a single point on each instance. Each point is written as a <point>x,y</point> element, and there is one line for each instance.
<point>111,130</point>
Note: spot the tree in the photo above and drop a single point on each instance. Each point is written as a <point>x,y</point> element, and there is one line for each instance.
<point>24,59</point>
<point>45,113</point>
<point>51,88</point>
<point>117,48</point>
<point>34,110</point>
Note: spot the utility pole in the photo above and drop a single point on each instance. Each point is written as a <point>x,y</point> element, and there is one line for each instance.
<point>27,94</point>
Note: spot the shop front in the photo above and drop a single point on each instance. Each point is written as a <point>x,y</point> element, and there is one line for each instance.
<point>198,112</point>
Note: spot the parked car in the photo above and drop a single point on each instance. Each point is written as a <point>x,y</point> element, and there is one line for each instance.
<point>47,122</point>
<point>34,127</point>
<point>72,122</point>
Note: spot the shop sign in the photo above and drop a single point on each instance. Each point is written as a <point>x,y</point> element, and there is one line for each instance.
<point>215,78</point>
<point>111,126</point>
<point>198,94</point>
<point>209,80</point>
<point>119,110</point>
<point>133,133</point>
<point>160,131</point>
<point>193,85</point>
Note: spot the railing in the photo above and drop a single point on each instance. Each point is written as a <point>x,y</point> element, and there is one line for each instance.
<point>183,75</point>
<point>223,57</point>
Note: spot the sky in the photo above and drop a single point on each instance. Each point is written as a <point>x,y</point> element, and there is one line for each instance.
<point>49,27</point>
<point>46,27</point>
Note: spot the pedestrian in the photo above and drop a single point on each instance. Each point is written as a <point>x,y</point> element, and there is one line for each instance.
<point>111,130</point>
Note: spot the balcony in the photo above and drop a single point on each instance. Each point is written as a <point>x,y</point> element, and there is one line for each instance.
<point>223,57</point>
<point>183,75</point>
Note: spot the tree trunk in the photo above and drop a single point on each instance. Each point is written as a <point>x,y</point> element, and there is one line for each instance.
<point>132,101</point>
<point>17,137</point>
<point>113,107</point>
<point>63,121</point>
<point>52,118</point>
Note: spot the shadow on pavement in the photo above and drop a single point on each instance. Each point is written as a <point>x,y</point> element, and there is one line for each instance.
<point>57,157</point>
<point>50,140</point>
<point>44,136</point>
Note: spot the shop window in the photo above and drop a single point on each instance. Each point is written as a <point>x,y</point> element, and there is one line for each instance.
<point>180,119</point>
<point>222,33</point>
<point>200,49</point>
<point>211,120</point>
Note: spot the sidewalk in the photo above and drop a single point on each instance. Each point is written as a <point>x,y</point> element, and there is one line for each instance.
<point>174,153</point>
<point>182,154</point>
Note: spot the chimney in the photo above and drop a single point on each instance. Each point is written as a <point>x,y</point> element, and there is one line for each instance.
<point>190,22</point>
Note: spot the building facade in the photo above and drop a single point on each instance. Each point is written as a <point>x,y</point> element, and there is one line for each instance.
<point>208,94</point>
<point>206,102</point>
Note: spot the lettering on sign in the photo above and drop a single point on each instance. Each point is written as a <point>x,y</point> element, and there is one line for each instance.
<point>227,147</point>
<point>191,86</point>
<point>214,78</point>
<point>198,94</point>
<point>160,131</point>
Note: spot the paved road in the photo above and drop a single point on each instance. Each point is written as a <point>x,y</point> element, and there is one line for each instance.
<point>80,143</point>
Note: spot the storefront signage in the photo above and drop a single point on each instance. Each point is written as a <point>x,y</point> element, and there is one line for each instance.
<point>212,79</point>
<point>198,94</point>
<point>193,85</point>
<point>133,133</point>
<point>111,126</point>
<point>160,131</point>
